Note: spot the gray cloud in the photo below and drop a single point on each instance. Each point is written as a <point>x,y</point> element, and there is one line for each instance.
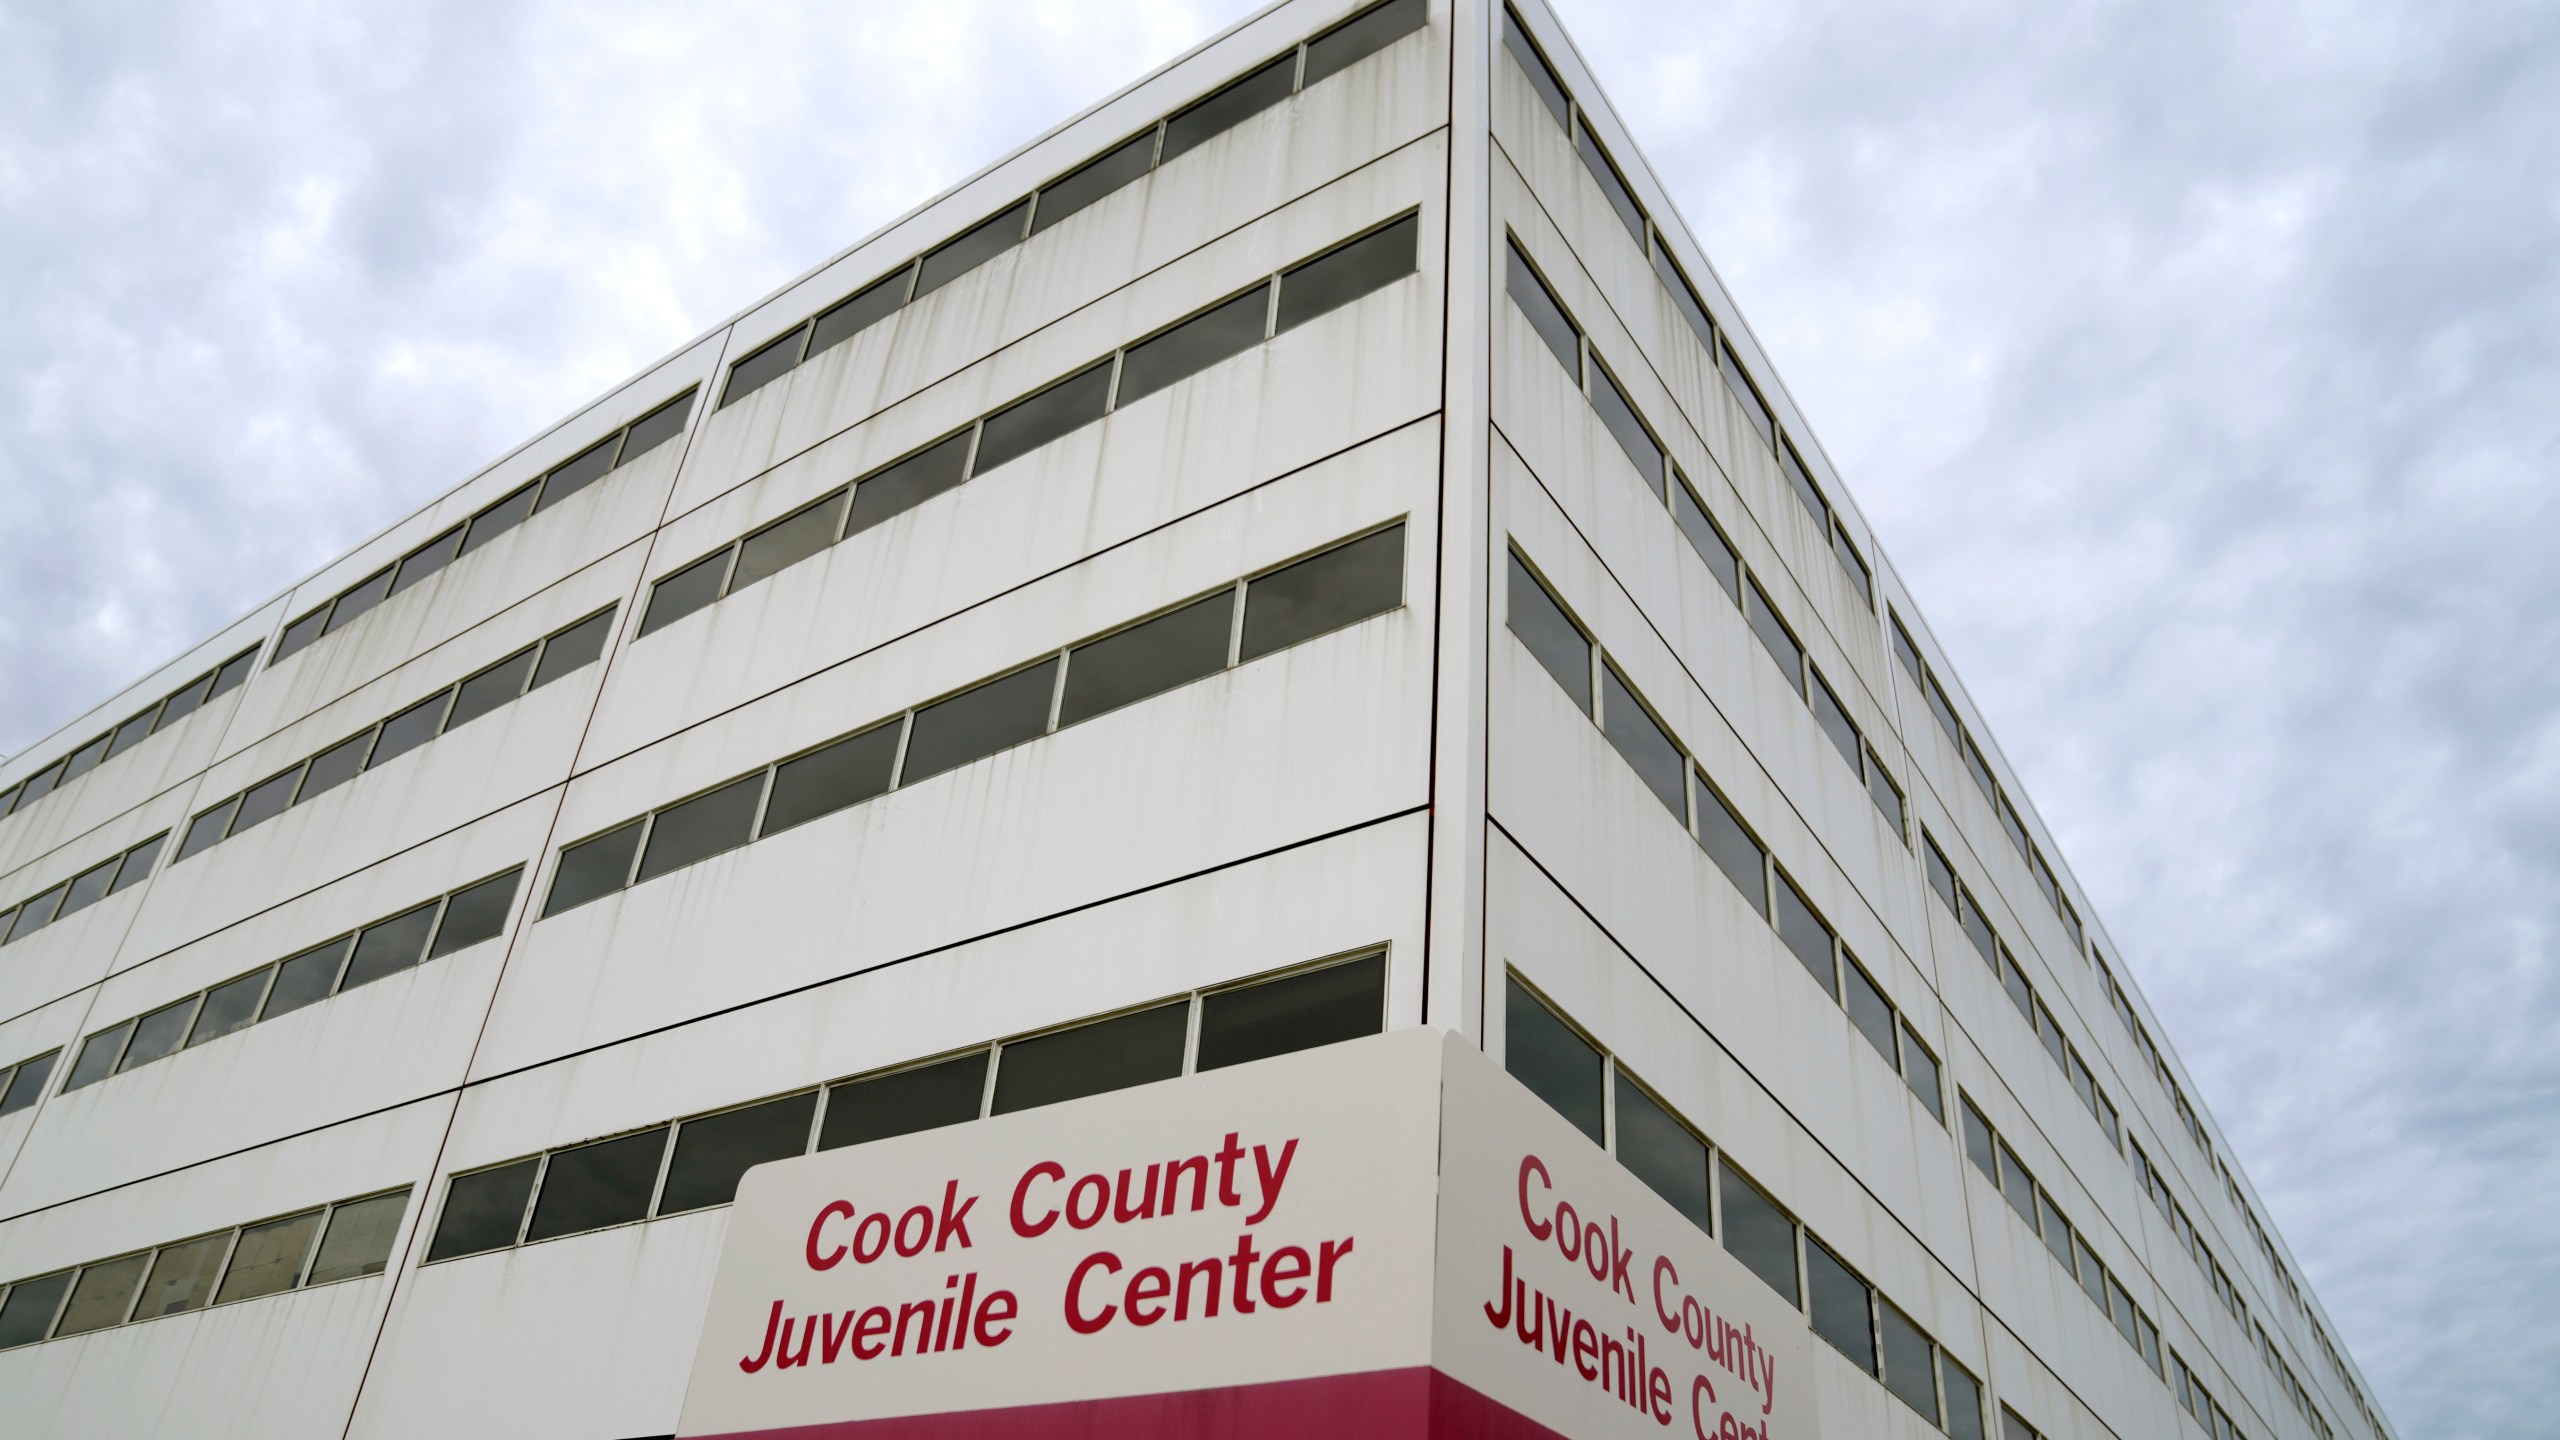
<point>2195,362</point>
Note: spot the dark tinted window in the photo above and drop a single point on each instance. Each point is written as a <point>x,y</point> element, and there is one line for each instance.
<point>1546,316</point>
<point>657,428</point>
<point>1612,184</point>
<point>38,913</point>
<point>1835,721</point>
<point>1869,1010</point>
<point>1645,745</point>
<point>788,541</point>
<point>1344,274</point>
<point>1541,79</point>
<point>389,947</point>
<point>1148,659</point>
<point>1980,770</point>
<point>1100,178</point>
<point>1028,424</point>
<point>179,705</point>
<point>592,869</point>
<point>409,729</point>
<point>159,1033</point>
<point>977,723</point>
<point>1362,35</point>
<point>267,1259</point>
<point>476,913</point>
<point>1920,1072</point>
<point>596,1185</point>
<point>182,1277</point>
<point>1942,876</point>
<point>712,1152</point>
<point>1758,1233</point>
<point>865,308</point>
<point>1661,1152</point>
<point>1707,540</point>
<point>825,781</point>
<point>1978,1145</point>
<point>1840,1305</point>
<point>1091,1059</point>
<point>1806,934</point>
<point>1238,102</point>
<point>967,251</point>
<point>1808,494</point>
<point>1942,708</point>
<point>26,1083</point>
<point>304,630</point>
<point>1755,411</point>
<point>1550,634</point>
<point>1684,297</point>
<point>909,483</point>
<point>1853,565</point>
<point>136,865</point>
<point>499,518</point>
<point>363,596</point>
<point>1910,1362</point>
<point>231,1006</point>
<point>769,363</point>
<point>2017,1186</point>
<point>1339,587</point>
<point>233,672</point>
<point>2014,981</point>
<point>1558,1065</point>
<point>266,800</point>
<point>358,1241</point>
<point>206,828</point>
<point>1964,1401</point>
<point>88,888</point>
<point>1298,1012</point>
<point>102,1296</point>
<point>576,646</point>
<point>2057,1230</point>
<point>1625,426</point>
<point>1886,794</point>
<point>1907,652</point>
<point>702,827</point>
<point>130,733</point>
<point>483,1211</point>
<point>498,685</point>
<point>85,759</point>
<point>307,978</point>
<point>1728,842</point>
<point>925,1098</point>
<point>335,766</point>
<point>28,1312</point>
<point>1194,345</point>
<point>1775,639</point>
<point>583,470</point>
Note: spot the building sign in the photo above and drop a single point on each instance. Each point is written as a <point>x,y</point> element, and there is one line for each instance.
<point>1382,1238</point>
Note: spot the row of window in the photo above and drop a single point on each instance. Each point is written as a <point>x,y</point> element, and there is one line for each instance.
<point>1684,297</point>
<point>1239,622</point>
<point>384,948</point>
<point>1585,1084</point>
<point>2152,1182</point>
<point>1265,86</point>
<point>343,1241</point>
<point>494,519</point>
<point>696,1162</point>
<point>2200,1403</point>
<point>150,720</point>
<point>120,871</point>
<point>1581,667</point>
<point>521,673</point>
<point>1228,328</point>
<point>1547,315</point>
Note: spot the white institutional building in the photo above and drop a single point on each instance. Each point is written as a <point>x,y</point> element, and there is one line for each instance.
<point>1306,548</point>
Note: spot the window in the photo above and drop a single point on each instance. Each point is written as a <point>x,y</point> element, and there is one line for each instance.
<point>1870,1011</point>
<point>230,1006</point>
<point>307,978</point>
<point>409,729</point>
<point>830,778</point>
<point>2057,1230</point>
<point>207,827</point>
<point>2017,1186</point>
<point>1295,1012</point>
<point>593,869</point>
<point>87,888</point>
<point>300,632</point>
<point>925,1097</point>
<point>979,721</point>
<point>972,248</point>
<point>1853,565</point>
<point>1091,1059</point>
<point>1776,638</point>
<point>357,599</point>
<point>713,1152</point>
<point>1980,770</point>
<point>767,363</point>
<point>1886,794</point>
<point>1808,494</point>
<point>1545,314</point>
<point>28,1312</point>
<point>787,541</point>
<point>182,1277</point>
<point>476,913</point>
<point>1029,423</point>
<point>1806,934</point>
<point>1920,1072</point>
<point>25,1082</point>
<point>1910,1360</point>
<point>358,1240</point>
<point>496,518</point>
<point>1705,538</point>
<point>1729,843</point>
<point>1977,929</point>
<point>1613,186</point>
<point>1555,1062</point>
<point>1241,100</point>
<point>1964,1400</point>
<point>483,1210</point>
<point>2013,1428</point>
<point>1651,751</point>
<point>907,483</point>
<point>1835,722</point>
<point>267,1259</point>
<point>1227,329</point>
<point>1080,188</point>
<point>1361,36</point>
<point>1347,272</point>
<point>580,471</point>
<point>574,648</point>
<point>2093,1275</point>
<point>1755,411</point>
<point>1542,78</point>
<point>157,1034</point>
<point>1324,592</point>
<point>335,766</point>
<point>588,1187</point>
<point>1943,708</point>
<point>1660,1151</point>
<point>1757,1232</point>
<point>388,947</point>
<point>1618,413</point>
<point>702,827</point>
<point>1978,1143</point>
<point>266,800</point>
<point>1552,637</point>
<point>1148,658</point>
<point>1906,651</point>
<point>490,688</point>
<point>102,1296</point>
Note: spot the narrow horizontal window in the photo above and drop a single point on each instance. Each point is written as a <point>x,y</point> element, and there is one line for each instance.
<point>1920,1072</point>
<point>2093,1275</point>
<point>87,888</point>
<point>2016,828</point>
<point>1842,1306</point>
<point>85,759</point>
<point>593,869</point>
<point>1906,651</point>
<point>656,428</point>
<point>234,671</point>
<point>266,800</point>
<point>1148,658</point>
<point>714,1151</point>
<point>1092,1059</point>
<point>1618,414</point>
<point>1758,1233</point>
<point>1706,538</point>
<point>335,766</point>
<point>159,1033</point>
<point>181,703</point>
<point>133,732</point>
<point>1238,102</point>
<point>1978,1146</point>
<point>1978,929</point>
<point>702,827</point>
<point>300,632</point>
<point>358,1240</point>
<point>1964,1400</point>
<point>971,248</point>
<point>1613,186</point>
<point>2014,981</point>
<point>476,913</point>
<point>2057,1230</point>
<point>1226,330</point>
<point>1684,297</point>
<point>829,779</point>
<point>1295,1012</point>
<point>1910,1360</point>
<point>409,729</point>
<point>1663,1153</point>
<point>580,471</point>
<point>498,685</point>
<point>1079,188</point>
<point>1650,750</point>
<point>1345,273</point>
<point>1755,411</point>
<point>1869,1010</point>
<point>1729,843</point>
<point>2017,1186</point>
<point>1545,313</point>
<point>978,722</point>
<point>267,1259</point>
<point>1808,494</point>
<point>26,1082</point>
<point>788,541</point>
<point>859,311</point>
<point>39,912</point>
<point>910,482</point>
<point>574,648</point>
<point>2013,1428</point>
<point>1854,565</point>
<point>1806,934</point>
<point>1835,722</point>
<point>1362,36</point>
<point>208,827</point>
<point>1886,794</point>
<point>28,1312</point>
<point>182,1276</point>
<point>903,1102</point>
<point>497,519</point>
<point>1550,634</point>
<point>102,1296</point>
<point>767,363</point>
<point>1554,1062</point>
<point>1029,423</point>
<point>230,1006</point>
<point>1942,876</point>
<point>483,1210</point>
<point>1542,77</point>
<point>357,599</point>
<point>1943,709</point>
<point>307,978</point>
<point>1775,638</point>
<point>1980,770</point>
<point>687,590</point>
<point>588,1187</point>
<point>388,947</point>
<point>1324,592</point>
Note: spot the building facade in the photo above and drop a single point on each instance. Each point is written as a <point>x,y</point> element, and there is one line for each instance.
<point>1307,547</point>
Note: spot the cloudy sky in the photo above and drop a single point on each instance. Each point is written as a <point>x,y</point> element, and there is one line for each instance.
<point>2198,361</point>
